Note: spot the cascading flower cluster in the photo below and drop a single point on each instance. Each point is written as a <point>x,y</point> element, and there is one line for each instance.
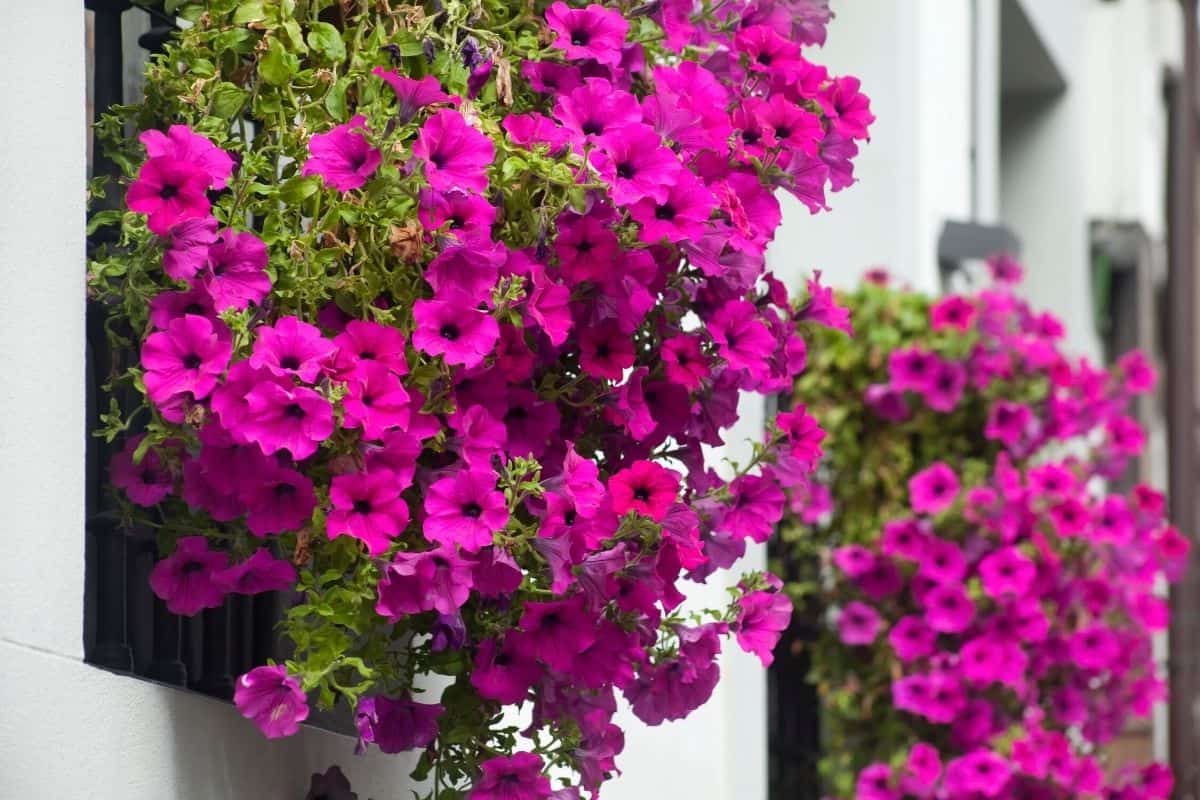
<point>990,603</point>
<point>436,307</point>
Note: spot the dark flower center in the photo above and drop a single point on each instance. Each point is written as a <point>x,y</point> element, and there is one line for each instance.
<point>457,221</point>
<point>516,412</point>
<point>584,247</point>
<point>289,362</point>
<point>642,494</point>
<point>148,476</point>
<point>472,510</point>
<point>191,568</point>
<point>665,212</point>
<point>751,137</point>
<point>362,506</point>
<point>593,127</point>
<point>449,331</point>
<point>283,490</point>
<point>569,517</point>
<point>626,170</point>
<point>294,410</point>
<point>764,59</point>
<point>783,132</point>
<point>193,308</point>
<point>367,355</point>
<point>192,361</point>
<point>438,159</point>
<point>580,37</point>
<point>168,191</point>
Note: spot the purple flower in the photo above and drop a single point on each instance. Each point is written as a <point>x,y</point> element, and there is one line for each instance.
<point>453,329</point>
<point>187,247</point>
<point>343,157</point>
<point>272,699</point>
<point>762,618</point>
<point>396,726</point>
<point>503,672</point>
<point>367,506</point>
<point>180,142</point>
<point>189,356</point>
<point>237,271</point>
<point>464,509</point>
<point>296,419</point>
<point>434,580</point>
<point>259,573</point>
<point>456,156</point>
<point>858,624</point>
<point>934,489</point>
<point>412,95</point>
<point>187,580</point>
<point>593,32</point>
<point>555,632</point>
<point>169,190</point>
<point>515,777</point>
<point>146,483</point>
<point>293,348</point>
<point>679,216</point>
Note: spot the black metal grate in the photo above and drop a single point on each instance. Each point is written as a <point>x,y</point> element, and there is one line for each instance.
<point>126,628</point>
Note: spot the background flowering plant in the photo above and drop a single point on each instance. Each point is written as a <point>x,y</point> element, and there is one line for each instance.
<point>990,599</point>
<point>436,306</point>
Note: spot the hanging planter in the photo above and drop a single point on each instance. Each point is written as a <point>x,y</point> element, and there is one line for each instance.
<point>436,306</point>
<point>990,593</point>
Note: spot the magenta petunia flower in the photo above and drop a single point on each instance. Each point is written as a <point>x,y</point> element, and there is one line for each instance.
<point>187,247</point>
<point>237,271</point>
<point>468,272</point>
<point>672,688</point>
<point>181,143</point>
<point>1009,423</point>
<point>187,580</point>
<point>1007,573</point>
<point>756,506</point>
<point>678,217</point>
<point>875,783</point>
<point>548,304</point>
<point>465,509</point>
<point>605,352</point>
<point>435,580</point>
<point>454,329</point>
<point>280,501</point>
<point>685,362</point>
<point>189,356</point>
<point>596,109</point>
<point>933,489</point>
<point>955,311</point>
<point>948,609</point>
<point>847,108</point>
<point>555,632</point>
<point>645,487</point>
<point>636,165</point>
<point>503,673</point>
<point>456,155</point>
<point>858,624</point>
<point>411,94</point>
<point>586,246</point>
<point>293,348</point>
<point>168,306</point>
<point>396,726</point>
<point>911,638</point>
<point>593,32</point>
<point>741,336</point>
<point>272,699</point>
<point>296,419</point>
<point>344,157</point>
<point>459,216</point>
<point>946,385</point>
<point>229,399</point>
<point>375,401</point>
<point>367,506</point>
<point>169,191</point>
<point>1095,648</point>
<point>515,777</point>
<point>261,572</point>
<point>980,772</point>
<point>762,619</point>
<point>363,341</point>
<point>496,573</point>
<point>146,483</point>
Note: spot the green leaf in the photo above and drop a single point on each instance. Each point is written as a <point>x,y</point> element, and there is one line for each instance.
<point>335,100</point>
<point>249,11</point>
<point>278,65</point>
<point>228,100</point>
<point>298,189</point>
<point>326,41</point>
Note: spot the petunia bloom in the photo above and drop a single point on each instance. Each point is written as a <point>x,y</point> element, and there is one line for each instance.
<point>455,155</point>
<point>515,777</point>
<point>189,356</point>
<point>645,487</point>
<point>367,506</point>
<point>593,32</point>
<point>272,699</point>
<point>465,509</point>
<point>169,191</point>
<point>397,725</point>
<point>344,157</point>
<point>188,578</point>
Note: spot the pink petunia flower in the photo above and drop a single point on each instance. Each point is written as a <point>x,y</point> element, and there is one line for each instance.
<point>375,401</point>
<point>434,580</point>
<point>858,624</point>
<point>344,158</point>
<point>1007,572</point>
<point>741,336</point>
<point>187,247</point>
<point>272,699</point>
<point>762,618</point>
<point>636,165</point>
<point>948,609</point>
<point>555,632</point>
<point>955,312</point>
<point>593,32</point>
<point>363,340</point>
<point>296,419</point>
<point>645,487</point>
<point>187,580</point>
<point>455,155</point>
<point>911,638</point>
<point>180,142</point>
<point>465,509</point>
<point>367,506</point>
<point>261,572</point>
<point>146,483</point>
<point>396,726</point>
<point>169,191</point>
<point>680,216</point>
<point>933,489</point>
<point>454,329</point>
<point>237,271</point>
<point>502,672</point>
<point>291,347</point>
<point>189,356</point>
<point>280,501</point>
<point>412,94</point>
